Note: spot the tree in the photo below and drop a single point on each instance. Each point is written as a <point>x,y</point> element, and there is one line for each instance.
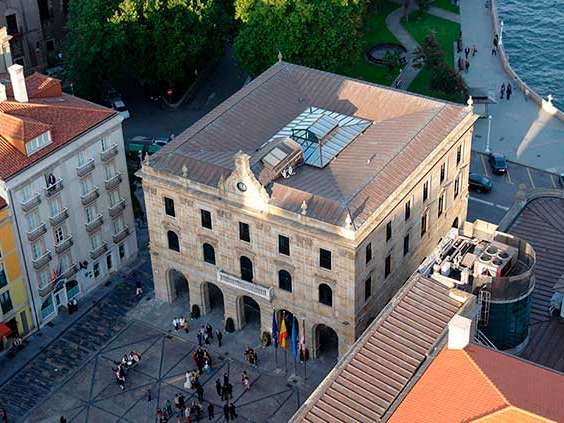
<point>429,53</point>
<point>424,4</point>
<point>319,34</point>
<point>159,42</point>
<point>446,79</point>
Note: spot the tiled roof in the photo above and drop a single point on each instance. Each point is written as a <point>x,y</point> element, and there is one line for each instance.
<point>405,129</point>
<point>480,383</point>
<point>374,373</point>
<point>541,223</point>
<point>48,108</point>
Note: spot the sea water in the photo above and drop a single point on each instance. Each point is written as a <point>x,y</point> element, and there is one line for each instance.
<point>533,37</point>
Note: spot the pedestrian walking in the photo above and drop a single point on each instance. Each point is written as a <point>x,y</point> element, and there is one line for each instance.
<point>502,91</point>
<point>509,90</point>
<point>168,408</point>
<point>466,65</point>
<point>199,338</point>
<point>494,51</point>
<point>149,395</point>
<point>225,378</point>
<point>474,50</point>
<point>210,411</point>
<point>218,387</point>
<point>219,337</point>
<point>226,411</point>
<point>466,52</point>
<point>458,45</point>
<point>200,392</point>
<point>224,394</point>
<point>62,419</point>
<point>138,288</point>
<point>229,391</point>
<point>232,412</point>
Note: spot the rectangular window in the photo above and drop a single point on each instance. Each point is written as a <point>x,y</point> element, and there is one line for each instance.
<point>424,222</point>
<point>32,220</point>
<point>114,197</point>
<point>91,213</point>
<point>109,262</point>
<point>37,249</point>
<point>244,232</point>
<point>443,172</point>
<point>406,245</point>
<point>169,207</point>
<point>121,251</point>
<point>441,204</point>
<point>59,235</point>
<point>206,219</point>
<point>96,269</point>
<point>110,170</point>
<point>425,191</point>
<point>25,193</point>
<point>389,230</point>
<point>368,252</point>
<point>3,278</point>
<point>43,278</point>
<point>325,258</point>
<point>55,206</point>
<point>458,154</point>
<point>64,262</point>
<point>12,24</point>
<point>367,288</point>
<point>38,143</point>
<point>456,186</point>
<point>95,240</point>
<point>388,266</point>
<point>6,302</point>
<point>407,209</point>
<point>86,185</point>
<point>284,245</point>
<point>82,158</point>
<point>118,225</point>
<point>105,144</point>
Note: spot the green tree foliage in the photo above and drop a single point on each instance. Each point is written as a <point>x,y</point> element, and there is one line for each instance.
<point>320,34</point>
<point>424,4</point>
<point>160,42</point>
<point>429,53</point>
<point>446,79</point>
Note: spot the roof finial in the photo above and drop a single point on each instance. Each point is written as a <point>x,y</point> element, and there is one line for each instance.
<point>303,208</point>
<point>279,56</point>
<point>470,102</point>
<point>184,171</point>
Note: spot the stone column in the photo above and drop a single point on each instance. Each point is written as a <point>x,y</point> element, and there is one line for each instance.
<point>160,280</point>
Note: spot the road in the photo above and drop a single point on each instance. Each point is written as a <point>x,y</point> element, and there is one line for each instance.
<point>519,178</point>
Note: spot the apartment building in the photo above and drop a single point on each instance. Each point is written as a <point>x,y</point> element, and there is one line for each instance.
<point>307,193</point>
<point>64,176</point>
<point>16,318</point>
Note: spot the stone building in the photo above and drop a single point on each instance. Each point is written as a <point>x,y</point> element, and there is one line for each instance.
<point>64,176</point>
<point>306,192</point>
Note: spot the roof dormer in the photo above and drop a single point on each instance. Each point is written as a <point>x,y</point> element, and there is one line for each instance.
<point>37,143</point>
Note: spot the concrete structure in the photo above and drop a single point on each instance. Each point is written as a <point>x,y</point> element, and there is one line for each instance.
<point>63,174</point>
<point>330,241</point>
<point>22,21</point>
<point>16,318</point>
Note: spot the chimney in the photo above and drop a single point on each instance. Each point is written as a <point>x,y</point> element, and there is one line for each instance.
<point>18,83</point>
<point>3,92</point>
<point>459,332</point>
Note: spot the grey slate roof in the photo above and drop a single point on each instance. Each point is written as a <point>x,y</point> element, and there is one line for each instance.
<point>406,128</point>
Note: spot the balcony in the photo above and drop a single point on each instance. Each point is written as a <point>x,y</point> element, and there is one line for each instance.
<point>113,182</point>
<point>108,153</point>
<point>117,208</point>
<point>41,261</point>
<point>37,232</point>
<point>54,188</point>
<point>64,245</point>
<point>86,168</point>
<point>70,272</point>
<point>249,287</point>
<point>59,217</point>
<point>46,289</point>
<point>121,235</point>
<point>31,202</point>
<point>97,252</point>
<point>94,223</point>
<point>90,196</point>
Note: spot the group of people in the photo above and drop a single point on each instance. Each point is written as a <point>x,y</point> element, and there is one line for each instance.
<point>205,335</point>
<point>464,62</point>
<point>225,390</point>
<point>251,356</point>
<point>180,323</point>
<point>182,411</point>
<point>202,359</point>
<point>127,362</point>
<point>505,91</point>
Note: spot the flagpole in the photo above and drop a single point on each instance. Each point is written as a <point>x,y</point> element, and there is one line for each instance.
<point>285,361</point>
<point>304,349</point>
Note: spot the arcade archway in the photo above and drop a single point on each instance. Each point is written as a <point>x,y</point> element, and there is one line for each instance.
<point>326,342</point>
<point>178,285</point>
<point>249,312</point>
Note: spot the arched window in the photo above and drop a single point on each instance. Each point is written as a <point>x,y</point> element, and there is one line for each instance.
<point>325,295</point>
<point>246,269</point>
<point>173,243</point>
<point>209,254</point>
<point>285,280</point>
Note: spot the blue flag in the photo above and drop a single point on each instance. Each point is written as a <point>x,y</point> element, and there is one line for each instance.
<point>274,330</point>
<point>294,338</point>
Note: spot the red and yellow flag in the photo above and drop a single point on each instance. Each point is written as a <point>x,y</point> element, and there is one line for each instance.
<point>283,334</point>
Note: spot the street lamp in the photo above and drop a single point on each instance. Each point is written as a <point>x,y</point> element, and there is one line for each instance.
<point>489,132</point>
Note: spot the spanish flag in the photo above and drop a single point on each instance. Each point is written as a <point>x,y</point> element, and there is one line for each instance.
<point>283,334</point>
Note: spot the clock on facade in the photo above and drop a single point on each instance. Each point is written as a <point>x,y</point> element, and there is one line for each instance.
<point>241,186</point>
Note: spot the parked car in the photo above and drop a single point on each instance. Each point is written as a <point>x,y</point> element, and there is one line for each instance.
<point>161,141</point>
<point>118,105</point>
<point>561,180</point>
<point>480,183</point>
<point>498,163</point>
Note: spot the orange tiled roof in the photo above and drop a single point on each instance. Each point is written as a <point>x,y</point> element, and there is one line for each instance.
<point>48,108</point>
<point>479,383</point>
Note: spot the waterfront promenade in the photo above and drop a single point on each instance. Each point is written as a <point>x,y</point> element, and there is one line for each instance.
<point>520,129</point>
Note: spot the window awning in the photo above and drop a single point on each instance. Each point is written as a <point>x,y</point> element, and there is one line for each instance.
<point>5,330</point>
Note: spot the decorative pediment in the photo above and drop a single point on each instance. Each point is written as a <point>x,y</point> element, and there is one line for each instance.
<point>243,186</point>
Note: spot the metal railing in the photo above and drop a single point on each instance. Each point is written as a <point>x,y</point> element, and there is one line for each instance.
<point>481,338</point>
<point>64,245</point>
<point>42,260</point>
<point>31,202</point>
<point>113,182</point>
<point>36,232</point>
<point>89,196</point>
<point>121,235</point>
<point>251,288</point>
<point>98,251</point>
<point>59,217</point>
<point>108,153</point>
<point>54,188</point>
<point>85,168</point>
<point>94,223</point>
<point>117,208</point>
<point>73,268</point>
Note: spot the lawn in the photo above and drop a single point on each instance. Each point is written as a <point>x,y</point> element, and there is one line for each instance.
<point>446,5</point>
<point>374,31</point>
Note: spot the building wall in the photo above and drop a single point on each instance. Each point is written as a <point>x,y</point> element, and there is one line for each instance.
<point>63,164</point>
<point>27,45</point>
<point>16,286</point>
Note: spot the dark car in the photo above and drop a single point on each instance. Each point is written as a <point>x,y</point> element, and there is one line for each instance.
<point>479,183</point>
<point>498,163</point>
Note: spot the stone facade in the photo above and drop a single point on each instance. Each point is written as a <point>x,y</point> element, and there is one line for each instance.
<point>229,205</point>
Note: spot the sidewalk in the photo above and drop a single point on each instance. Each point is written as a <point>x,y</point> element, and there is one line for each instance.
<point>520,129</point>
